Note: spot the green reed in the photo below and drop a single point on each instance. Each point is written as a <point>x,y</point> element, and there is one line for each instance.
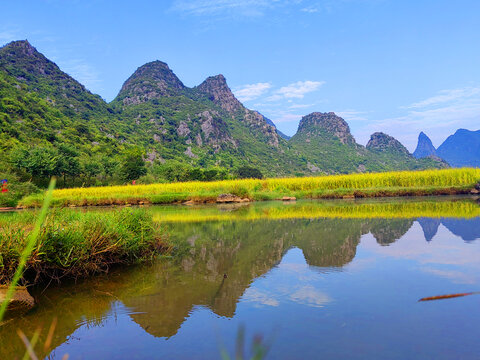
<point>32,241</point>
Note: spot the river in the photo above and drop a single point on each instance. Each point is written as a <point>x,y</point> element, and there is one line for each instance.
<point>303,286</point>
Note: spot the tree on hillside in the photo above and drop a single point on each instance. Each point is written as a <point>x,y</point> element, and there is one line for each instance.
<point>109,164</point>
<point>247,172</point>
<point>68,162</point>
<point>174,171</point>
<point>133,165</point>
<point>38,161</point>
<point>91,168</point>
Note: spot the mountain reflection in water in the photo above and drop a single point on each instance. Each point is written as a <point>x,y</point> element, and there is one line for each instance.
<point>222,265</point>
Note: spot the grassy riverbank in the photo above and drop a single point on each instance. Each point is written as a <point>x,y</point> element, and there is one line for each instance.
<point>76,244</point>
<point>405,183</point>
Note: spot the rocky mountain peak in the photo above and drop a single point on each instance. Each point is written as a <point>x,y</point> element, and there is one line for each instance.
<point>216,79</point>
<point>22,60</point>
<point>22,46</point>
<point>218,91</point>
<point>150,81</point>
<point>425,147</point>
<point>380,141</point>
<point>318,123</point>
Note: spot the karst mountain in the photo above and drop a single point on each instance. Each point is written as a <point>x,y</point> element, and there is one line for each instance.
<point>40,105</point>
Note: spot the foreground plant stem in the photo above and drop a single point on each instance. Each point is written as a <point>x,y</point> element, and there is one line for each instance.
<point>32,241</point>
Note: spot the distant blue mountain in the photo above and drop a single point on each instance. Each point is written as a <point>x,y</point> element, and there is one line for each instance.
<point>425,147</point>
<point>270,122</point>
<point>461,148</point>
<point>458,150</point>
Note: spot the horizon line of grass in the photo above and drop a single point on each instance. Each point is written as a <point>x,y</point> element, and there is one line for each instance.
<point>400,183</point>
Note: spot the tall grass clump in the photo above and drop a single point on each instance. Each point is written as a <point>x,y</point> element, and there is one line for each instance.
<point>76,244</point>
<point>428,182</point>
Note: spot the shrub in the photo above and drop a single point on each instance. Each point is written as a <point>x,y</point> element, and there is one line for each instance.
<point>247,172</point>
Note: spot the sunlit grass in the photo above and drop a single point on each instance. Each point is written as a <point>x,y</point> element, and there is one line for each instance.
<point>428,182</point>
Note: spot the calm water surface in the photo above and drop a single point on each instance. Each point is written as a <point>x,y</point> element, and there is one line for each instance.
<point>315,288</point>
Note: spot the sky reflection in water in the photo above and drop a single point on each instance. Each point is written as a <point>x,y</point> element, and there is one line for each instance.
<point>319,288</point>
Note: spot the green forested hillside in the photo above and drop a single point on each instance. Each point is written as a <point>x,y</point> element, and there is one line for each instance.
<point>157,129</point>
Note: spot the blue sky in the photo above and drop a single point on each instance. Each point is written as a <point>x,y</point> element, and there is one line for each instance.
<point>397,66</point>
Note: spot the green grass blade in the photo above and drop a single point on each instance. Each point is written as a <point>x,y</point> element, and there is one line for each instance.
<point>32,241</point>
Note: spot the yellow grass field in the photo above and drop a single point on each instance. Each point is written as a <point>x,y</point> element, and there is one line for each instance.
<point>428,182</point>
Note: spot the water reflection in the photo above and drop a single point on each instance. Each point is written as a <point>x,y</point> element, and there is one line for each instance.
<point>229,266</point>
<point>429,227</point>
<point>387,231</point>
<point>467,229</point>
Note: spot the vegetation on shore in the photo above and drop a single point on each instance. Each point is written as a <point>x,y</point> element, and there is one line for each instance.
<point>76,244</point>
<point>404,183</point>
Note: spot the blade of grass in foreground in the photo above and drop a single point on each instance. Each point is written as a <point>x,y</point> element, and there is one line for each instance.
<point>449,296</point>
<point>260,347</point>
<point>31,242</point>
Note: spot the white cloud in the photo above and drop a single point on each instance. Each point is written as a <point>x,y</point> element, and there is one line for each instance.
<point>353,115</point>
<point>251,91</point>
<point>309,295</point>
<point>261,297</point>
<point>216,7</point>
<point>446,96</point>
<point>439,116</point>
<point>254,8</point>
<point>310,10</point>
<point>8,35</point>
<point>296,90</point>
<point>301,106</point>
<point>285,118</point>
<point>455,276</point>
<point>83,73</point>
